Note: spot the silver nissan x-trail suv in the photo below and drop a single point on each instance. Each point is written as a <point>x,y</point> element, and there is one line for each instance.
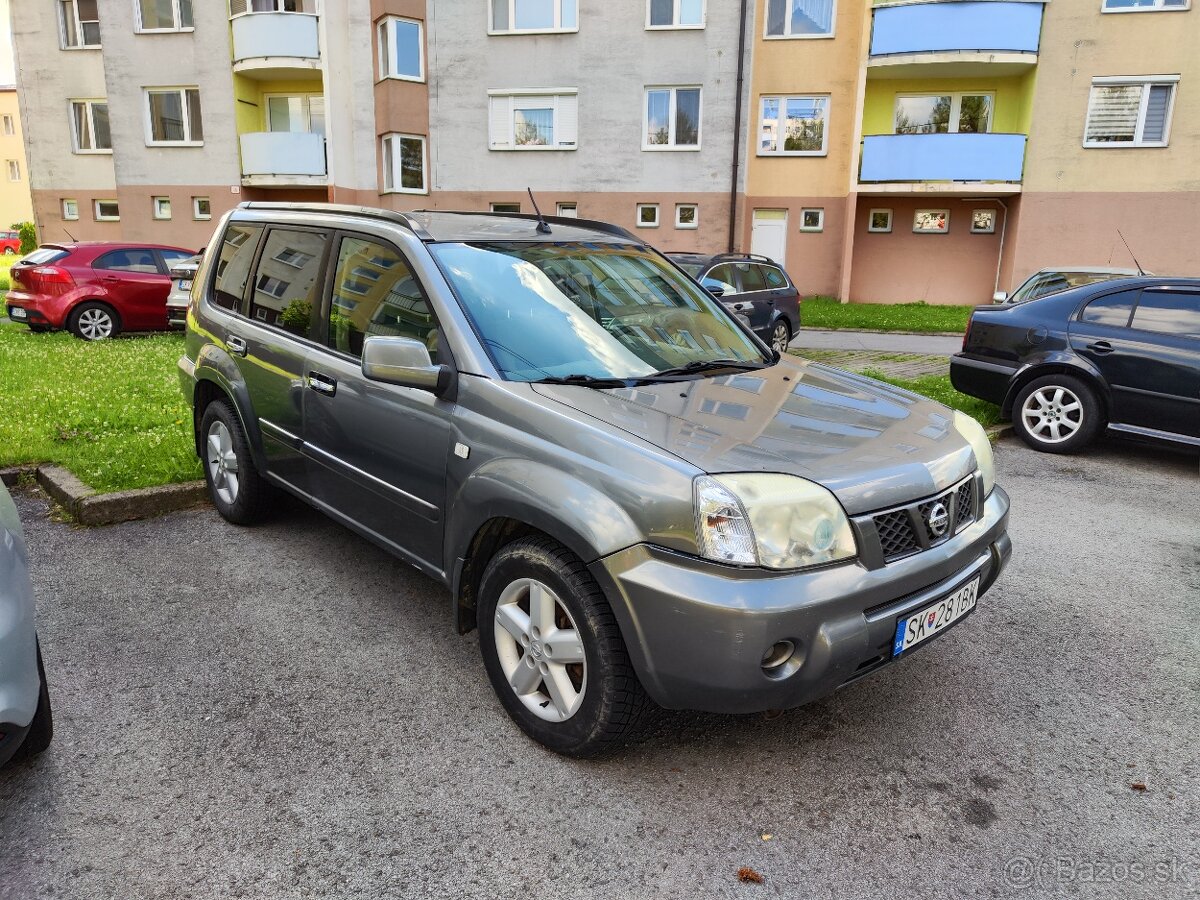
<point>634,499</point>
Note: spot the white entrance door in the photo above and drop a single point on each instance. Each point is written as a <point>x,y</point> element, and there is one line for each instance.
<point>768,235</point>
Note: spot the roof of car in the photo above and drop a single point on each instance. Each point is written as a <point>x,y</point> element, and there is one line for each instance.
<point>1087,270</point>
<point>108,245</point>
<point>693,257</point>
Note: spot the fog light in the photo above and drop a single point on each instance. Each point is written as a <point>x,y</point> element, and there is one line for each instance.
<point>778,654</point>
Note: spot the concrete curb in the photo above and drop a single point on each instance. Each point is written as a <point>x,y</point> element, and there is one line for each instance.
<point>957,334</point>
<point>90,508</point>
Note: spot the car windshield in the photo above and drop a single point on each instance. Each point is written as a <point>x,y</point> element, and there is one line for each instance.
<point>692,268</point>
<point>601,311</point>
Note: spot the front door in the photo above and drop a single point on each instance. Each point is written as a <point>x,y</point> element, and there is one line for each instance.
<point>768,234</point>
<point>377,452</point>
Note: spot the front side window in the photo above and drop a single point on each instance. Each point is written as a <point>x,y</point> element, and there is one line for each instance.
<point>1111,309</point>
<point>672,119</point>
<point>1168,312</point>
<point>547,311</point>
<point>404,163</point>
<point>533,121</point>
<point>376,293</point>
<point>131,260</point>
<point>1144,5</point>
<point>675,14</point>
<point>233,264</point>
<point>401,49</point>
<point>283,295</point>
<point>173,116</point>
<point>793,126</point>
<point>944,114</point>
<point>800,18</point>
<point>514,16</point>
<point>89,126</point>
<point>79,23</point>
<point>164,15</point>
<point>1129,113</point>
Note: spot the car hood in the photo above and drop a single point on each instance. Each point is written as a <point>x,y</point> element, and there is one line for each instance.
<point>872,444</point>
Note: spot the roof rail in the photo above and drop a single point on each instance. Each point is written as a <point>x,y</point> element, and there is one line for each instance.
<point>569,221</point>
<point>391,215</point>
<point>757,257</point>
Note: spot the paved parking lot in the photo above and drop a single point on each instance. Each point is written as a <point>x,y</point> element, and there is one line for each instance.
<point>285,712</point>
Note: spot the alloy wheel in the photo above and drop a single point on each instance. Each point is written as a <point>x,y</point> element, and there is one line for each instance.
<point>222,462</point>
<point>1052,414</point>
<point>540,650</point>
<point>780,337</point>
<point>95,324</point>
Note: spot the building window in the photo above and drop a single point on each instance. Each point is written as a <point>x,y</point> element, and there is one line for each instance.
<point>107,211</point>
<point>516,16</point>
<point>401,50</point>
<point>79,24</point>
<point>944,114</point>
<point>70,210</point>
<point>533,121</point>
<point>983,221</point>
<point>675,14</point>
<point>201,209</point>
<point>10,127</point>
<point>304,113</point>
<point>672,119</point>
<point>931,221</point>
<point>89,126</point>
<point>164,15</point>
<point>800,18</point>
<point>880,221</point>
<point>173,117</point>
<point>687,215</point>
<point>647,215</point>
<point>812,219</point>
<point>162,207</point>
<point>14,170</point>
<point>404,163</point>
<point>568,210</point>
<point>793,126</point>
<point>240,7</point>
<point>1133,112</point>
<point>505,207</point>
<point>1121,6</point>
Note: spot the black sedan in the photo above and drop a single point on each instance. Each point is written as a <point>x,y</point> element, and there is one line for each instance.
<point>1125,354</point>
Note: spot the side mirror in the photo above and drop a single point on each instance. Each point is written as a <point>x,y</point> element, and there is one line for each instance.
<point>714,287</point>
<point>999,296</point>
<point>404,362</point>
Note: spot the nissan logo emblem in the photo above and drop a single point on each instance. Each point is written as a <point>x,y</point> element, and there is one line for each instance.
<point>939,519</point>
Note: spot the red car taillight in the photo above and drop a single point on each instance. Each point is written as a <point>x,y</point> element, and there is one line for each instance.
<point>48,275</point>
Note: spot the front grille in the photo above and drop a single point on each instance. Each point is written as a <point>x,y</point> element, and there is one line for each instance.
<point>910,529</point>
<point>964,505</point>
<point>896,534</point>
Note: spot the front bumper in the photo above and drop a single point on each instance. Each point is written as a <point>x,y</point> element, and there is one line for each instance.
<point>697,631</point>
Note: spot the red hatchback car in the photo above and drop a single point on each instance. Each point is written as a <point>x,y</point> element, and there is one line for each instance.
<point>95,289</point>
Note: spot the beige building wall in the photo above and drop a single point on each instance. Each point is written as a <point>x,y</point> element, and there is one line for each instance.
<point>16,202</point>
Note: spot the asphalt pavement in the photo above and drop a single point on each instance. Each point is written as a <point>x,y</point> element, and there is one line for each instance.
<point>882,341</point>
<point>285,712</point>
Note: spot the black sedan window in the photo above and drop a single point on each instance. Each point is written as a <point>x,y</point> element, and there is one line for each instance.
<point>1169,312</point>
<point>1111,309</point>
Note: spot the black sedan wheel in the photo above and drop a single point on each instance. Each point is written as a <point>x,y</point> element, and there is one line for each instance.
<point>1057,414</point>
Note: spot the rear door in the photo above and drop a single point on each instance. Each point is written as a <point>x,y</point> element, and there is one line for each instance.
<point>757,295</point>
<point>1165,338</point>
<point>737,304</point>
<point>136,286</point>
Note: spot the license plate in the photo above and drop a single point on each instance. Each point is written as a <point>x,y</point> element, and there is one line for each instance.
<point>185,285</point>
<point>15,312</point>
<point>913,629</point>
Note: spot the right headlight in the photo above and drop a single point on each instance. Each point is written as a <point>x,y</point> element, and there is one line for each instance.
<point>771,520</point>
<point>974,435</point>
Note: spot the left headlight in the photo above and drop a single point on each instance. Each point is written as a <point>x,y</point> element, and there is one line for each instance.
<point>775,521</point>
<point>974,435</point>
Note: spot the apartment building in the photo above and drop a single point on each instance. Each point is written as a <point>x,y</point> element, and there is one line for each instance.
<point>932,150</point>
<point>16,203</point>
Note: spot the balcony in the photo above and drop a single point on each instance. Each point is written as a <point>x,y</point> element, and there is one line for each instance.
<point>283,159</point>
<point>275,45</point>
<point>966,39</point>
<point>990,163</point>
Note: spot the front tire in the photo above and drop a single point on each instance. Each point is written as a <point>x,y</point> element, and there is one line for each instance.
<point>94,321</point>
<point>237,490</point>
<point>554,653</point>
<point>41,729</point>
<point>1057,414</point>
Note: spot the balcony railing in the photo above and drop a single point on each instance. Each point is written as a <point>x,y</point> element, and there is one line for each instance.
<point>986,26</point>
<point>942,157</point>
<point>283,153</point>
<point>274,35</point>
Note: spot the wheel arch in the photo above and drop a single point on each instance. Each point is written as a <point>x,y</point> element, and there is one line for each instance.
<point>212,384</point>
<point>1055,367</point>
<point>92,298</point>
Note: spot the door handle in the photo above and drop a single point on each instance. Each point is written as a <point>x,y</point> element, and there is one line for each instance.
<point>236,345</point>
<point>322,384</point>
<point>1101,347</point>
<point>771,302</point>
<point>111,279</point>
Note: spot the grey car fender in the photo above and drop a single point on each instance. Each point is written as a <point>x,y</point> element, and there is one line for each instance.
<point>214,364</point>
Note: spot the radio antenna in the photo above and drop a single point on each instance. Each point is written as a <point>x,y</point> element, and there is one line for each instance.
<point>1141,271</point>
<point>543,227</point>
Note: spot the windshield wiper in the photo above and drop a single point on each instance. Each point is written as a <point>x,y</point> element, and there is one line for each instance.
<point>588,381</point>
<point>706,365</point>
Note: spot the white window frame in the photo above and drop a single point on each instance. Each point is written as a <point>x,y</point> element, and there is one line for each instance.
<point>62,28</point>
<point>385,33</point>
<point>513,95</point>
<point>512,18</point>
<point>102,218</point>
<point>678,4</point>
<point>393,139</point>
<point>245,8</point>
<point>871,228</point>
<point>66,214</point>
<point>787,25</point>
<point>688,226</point>
<point>75,148</point>
<point>657,216</point>
<point>196,214</point>
<point>184,110</point>
<point>304,96</point>
<point>955,107</point>
<point>10,127</point>
<point>157,203</point>
<point>813,229</point>
<point>495,203</point>
<point>671,146</point>
<point>1146,81</point>
<point>1158,6</point>
<point>783,99</point>
<point>568,205</point>
<point>176,17</point>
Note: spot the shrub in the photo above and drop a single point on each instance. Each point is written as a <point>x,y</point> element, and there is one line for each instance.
<point>28,232</point>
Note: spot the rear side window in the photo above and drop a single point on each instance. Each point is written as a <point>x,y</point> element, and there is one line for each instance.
<point>44,255</point>
<point>1111,309</point>
<point>774,278</point>
<point>752,277</point>
<point>286,283</point>
<point>132,260</point>
<point>175,256</point>
<point>233,264</point>
<point>1169,312</point>
<point>376,293</point>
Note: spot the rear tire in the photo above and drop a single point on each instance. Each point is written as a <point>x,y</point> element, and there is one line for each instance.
<point>1057,414</point>
<point>237,490</point>
<point>41,729</point>
<point>9,251</point>
<point>781,336</point>
<point>94,321</point>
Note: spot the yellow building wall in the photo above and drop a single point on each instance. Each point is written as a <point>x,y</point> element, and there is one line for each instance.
<point>1010,112</point>
<point>16,201</point>
<point>251,108</point>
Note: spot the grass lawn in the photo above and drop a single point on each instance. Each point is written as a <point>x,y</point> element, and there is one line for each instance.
<point>111,412</point>
<point>939,388</point>
<point>827,312</point>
